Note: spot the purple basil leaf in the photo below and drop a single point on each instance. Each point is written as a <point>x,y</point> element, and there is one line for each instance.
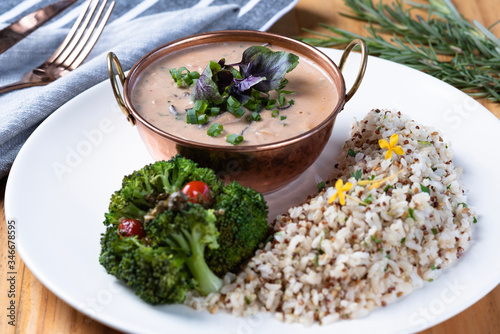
<point>206,89</point>
<point>224,78</point>
<point>241,96</point>
<point>259,61</point>
<point>247,83</point>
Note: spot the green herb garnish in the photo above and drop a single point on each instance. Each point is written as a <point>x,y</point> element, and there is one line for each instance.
<point>215,130</point>
<point>369,199</point>
<point>352,153</point>
<point>357,174</point>
<point>183,77</point>
<point>424,189</point>
<point>374,238</point>
<point>256,116</point>
<point>234,139</point>
<point>321,185</point>
<point>410,213</point>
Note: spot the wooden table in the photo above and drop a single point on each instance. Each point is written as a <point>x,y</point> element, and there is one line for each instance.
<point>40,311</point>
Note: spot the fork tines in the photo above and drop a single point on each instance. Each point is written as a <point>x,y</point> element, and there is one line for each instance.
<point>82,36</point>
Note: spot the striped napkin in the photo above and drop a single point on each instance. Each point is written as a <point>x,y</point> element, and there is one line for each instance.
<point>135,28</point>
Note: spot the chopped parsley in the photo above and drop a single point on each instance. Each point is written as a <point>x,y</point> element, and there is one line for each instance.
<point>357,174</point>
<point>424,189</point>
<point>410,213</point>
<point>368,199</point>
<point>321,185</point>
<point>352,153</point>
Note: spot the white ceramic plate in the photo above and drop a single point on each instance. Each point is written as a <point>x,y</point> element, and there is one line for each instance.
<point>60,184</point>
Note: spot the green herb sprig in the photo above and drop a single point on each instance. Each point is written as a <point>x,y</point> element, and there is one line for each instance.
<point>444,45</point>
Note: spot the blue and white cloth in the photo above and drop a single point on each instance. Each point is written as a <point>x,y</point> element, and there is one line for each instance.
<point>135,28</point>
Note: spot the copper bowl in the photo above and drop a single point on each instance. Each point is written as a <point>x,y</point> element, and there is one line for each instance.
<point>266,167</point>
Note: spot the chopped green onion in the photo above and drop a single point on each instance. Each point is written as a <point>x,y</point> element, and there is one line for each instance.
<point>191,117</point>
<point>434,231</point>
<point>215,130</point>
<point>233,103</point>
<point>321,185</point>
<point>283,118</point>
<point>173,73</point>
<point>234,139</point>
<point>214,111</point>
<point>275,113</point>
<point>403,240</point>
<point>183,76</point>
<point>374,238</point>
<point>200,106</point>
<point>281,96</point>
<point>474,220</point>
<point>256,116</point>
<point>239,112</point>
<point>271,104</point>
<point>202,119</point>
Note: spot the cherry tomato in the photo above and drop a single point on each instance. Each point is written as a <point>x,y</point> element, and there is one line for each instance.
<point>131,227</point>
<point>197,192</point>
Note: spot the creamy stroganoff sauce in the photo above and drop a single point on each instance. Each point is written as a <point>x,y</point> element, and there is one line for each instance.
<point>159,100</point>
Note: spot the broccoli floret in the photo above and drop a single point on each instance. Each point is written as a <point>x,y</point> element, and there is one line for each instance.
<point>156,274</point>
<point>162,243</point>
<point>242,227</point>
<point>140,189</point>
<point>189,232</point>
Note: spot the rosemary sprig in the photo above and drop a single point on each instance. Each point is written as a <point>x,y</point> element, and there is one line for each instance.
<point>444,45</point>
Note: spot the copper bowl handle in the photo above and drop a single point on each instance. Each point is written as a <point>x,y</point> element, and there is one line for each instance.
<point>362,69</point>
<point>113,60</point>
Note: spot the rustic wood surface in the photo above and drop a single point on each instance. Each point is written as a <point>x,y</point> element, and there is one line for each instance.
<point>39,311</point>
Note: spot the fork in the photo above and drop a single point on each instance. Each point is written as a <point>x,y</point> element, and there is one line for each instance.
<point>80,40</point>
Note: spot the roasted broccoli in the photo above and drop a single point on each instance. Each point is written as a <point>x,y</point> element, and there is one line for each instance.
<point>173,227</point>
<point>188,233</point>
<point>156,274</point>
<point>242,227</point>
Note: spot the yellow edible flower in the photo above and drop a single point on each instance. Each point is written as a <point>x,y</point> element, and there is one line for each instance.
<point>341,188</point>
<point>391,146</point>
